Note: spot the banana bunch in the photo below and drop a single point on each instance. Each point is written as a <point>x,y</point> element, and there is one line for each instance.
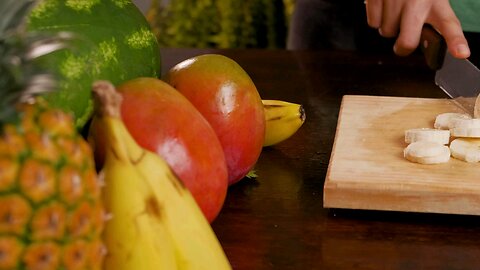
<point>155,222</point>
<point>282,120</point>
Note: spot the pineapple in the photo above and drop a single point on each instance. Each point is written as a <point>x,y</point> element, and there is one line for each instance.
<point>51,215</point>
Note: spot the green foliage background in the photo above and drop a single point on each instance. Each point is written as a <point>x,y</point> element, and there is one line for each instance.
<point>221,23</point>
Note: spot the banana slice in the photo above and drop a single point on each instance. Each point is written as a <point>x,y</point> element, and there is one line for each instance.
<point>469,128</point>
<point>425,152</point>
<point>466,149</point>
<point>476,110</point>
<point>446,120</point>
<point>427,134</point>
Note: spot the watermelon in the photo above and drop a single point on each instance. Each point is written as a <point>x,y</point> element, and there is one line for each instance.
<point>113,42</point>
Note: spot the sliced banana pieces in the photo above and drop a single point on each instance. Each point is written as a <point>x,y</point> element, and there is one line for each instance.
<point>466,128</point>
<point>467,149</point>
<point>476,110</point>
<point>427,135</point>
<point>435,145</point>
<point>427,152</point>
<point>447,120</point>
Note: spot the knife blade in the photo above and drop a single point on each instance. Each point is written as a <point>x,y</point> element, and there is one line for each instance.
<point>458,78</point>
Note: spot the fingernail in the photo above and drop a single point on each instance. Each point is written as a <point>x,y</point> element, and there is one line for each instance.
<point>462,50</point>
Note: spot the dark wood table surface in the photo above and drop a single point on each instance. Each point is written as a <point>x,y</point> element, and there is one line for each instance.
<point>277,221</point>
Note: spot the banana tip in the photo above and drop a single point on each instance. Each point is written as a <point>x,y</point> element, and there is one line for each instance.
<point>303,115</point>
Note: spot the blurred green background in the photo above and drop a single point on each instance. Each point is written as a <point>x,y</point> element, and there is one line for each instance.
<point>220,23</point>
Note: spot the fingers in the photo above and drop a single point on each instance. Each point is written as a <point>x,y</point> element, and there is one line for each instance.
<point>384,16</point>
<point>412,21</point>
<point>457,45</point>
<point>391,15</point>
<point>374,13</point>
<point>404,19</point>
<point>449,26</point>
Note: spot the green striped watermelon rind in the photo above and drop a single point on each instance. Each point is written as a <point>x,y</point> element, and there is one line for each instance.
<point>114,43</point>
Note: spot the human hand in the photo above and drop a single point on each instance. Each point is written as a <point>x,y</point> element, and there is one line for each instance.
<point>404,19</point>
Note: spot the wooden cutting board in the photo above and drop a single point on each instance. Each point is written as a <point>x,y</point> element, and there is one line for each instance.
<point>367,169</point>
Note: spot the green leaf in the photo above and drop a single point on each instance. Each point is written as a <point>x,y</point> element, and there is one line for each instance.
<point>252,174</point>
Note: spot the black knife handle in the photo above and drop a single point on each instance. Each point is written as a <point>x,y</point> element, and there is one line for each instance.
<point>433,46</point>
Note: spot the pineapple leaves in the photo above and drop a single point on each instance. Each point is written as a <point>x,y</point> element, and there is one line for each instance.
<point>22,78</point>
<point>12,14</point>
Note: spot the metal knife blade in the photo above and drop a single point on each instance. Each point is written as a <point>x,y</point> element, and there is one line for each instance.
<point>458,78</point>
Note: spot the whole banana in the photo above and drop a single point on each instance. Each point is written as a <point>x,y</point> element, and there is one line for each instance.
<point>283,119</point>
<point>156,223</point>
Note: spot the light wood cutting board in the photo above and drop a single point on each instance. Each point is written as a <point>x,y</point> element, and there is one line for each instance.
<point>367,169</point>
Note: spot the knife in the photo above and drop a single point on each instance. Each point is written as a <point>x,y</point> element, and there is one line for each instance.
<point>458,78</point>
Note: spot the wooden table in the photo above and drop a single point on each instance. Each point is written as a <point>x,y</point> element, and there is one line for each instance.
<point>277,221</point>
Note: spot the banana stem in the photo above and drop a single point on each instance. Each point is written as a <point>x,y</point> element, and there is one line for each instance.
<point>107,111</point>
<point>107,100</point>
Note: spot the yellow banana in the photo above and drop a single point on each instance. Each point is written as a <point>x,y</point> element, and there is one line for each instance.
<point>156,223</point>
<point>283,119</point>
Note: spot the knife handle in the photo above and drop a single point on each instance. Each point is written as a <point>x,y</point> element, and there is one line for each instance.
<point>433,46</point>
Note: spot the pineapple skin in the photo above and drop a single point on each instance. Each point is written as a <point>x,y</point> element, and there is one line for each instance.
<point>51,213</point>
